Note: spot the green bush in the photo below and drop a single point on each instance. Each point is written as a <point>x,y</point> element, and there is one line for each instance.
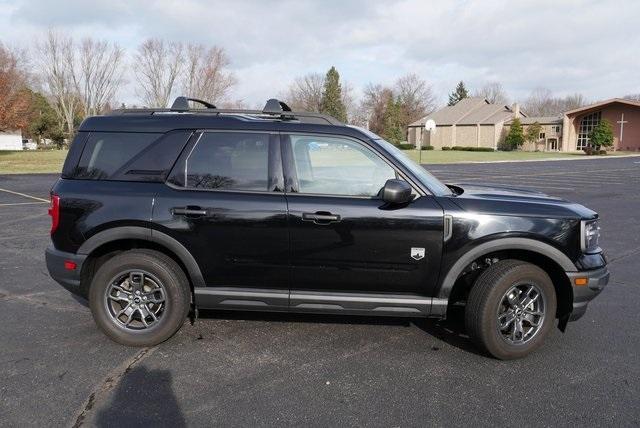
<point>446,148</point>
<point>427,148</point>
<point>603,152</point>
<point>472,149</point>
<point>406,146</point>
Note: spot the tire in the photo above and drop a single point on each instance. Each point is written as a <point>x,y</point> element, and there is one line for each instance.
<point>488,298</point>
<point>163,286</point>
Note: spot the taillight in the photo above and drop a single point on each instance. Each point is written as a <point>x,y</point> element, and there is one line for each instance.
<point>54,212</point>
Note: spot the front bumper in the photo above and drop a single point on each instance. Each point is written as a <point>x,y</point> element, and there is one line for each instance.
<point>582,294</point>
<point>68,278</point>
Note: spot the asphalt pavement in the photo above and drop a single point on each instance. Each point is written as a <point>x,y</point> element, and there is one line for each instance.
<point>252,369</point>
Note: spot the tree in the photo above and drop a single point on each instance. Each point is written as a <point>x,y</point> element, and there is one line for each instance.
<point>206,76</point>
<point>632,97</point>
<point>305,93</point>
<point>332,103</point>
<point>157,67</point>
<point>601,135</point>
<point>532,133</point>
<point>57,60</point>
<point>13,79</point>
<point>494,93</point>
<point>393,128</point>
<point>43,122</point>
<point>458,94</point>
<point>415,96</point>
<point>542,102</point>
<point>515,137</point>
<point>97,74</point>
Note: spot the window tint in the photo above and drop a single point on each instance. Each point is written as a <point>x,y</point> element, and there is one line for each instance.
<point>229,161</point>
<point>106,152</point>
<point>336,166</point>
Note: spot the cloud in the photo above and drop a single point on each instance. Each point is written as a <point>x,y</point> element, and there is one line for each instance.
<point>572,46</point>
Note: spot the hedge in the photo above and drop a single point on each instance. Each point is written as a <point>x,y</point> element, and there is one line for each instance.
<point>469,149</point>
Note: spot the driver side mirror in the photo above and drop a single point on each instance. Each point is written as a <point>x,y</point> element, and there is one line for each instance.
<point>396,192</point>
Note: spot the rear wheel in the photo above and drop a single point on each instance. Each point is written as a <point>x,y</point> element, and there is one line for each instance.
<point>511,309</point>
<point>139,297</point>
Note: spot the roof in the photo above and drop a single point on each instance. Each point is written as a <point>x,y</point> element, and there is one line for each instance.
<point>602,103</point>
<point>469,111</point>
<point>543,120</point>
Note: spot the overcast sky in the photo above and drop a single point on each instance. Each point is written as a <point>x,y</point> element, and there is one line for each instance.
<point>591,47</point>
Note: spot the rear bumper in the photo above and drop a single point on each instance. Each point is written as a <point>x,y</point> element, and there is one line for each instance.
<point>582,294</point>
<point>68,278</point>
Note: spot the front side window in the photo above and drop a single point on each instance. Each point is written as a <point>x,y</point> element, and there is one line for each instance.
<point>338,166</point>
<point>226,161</point>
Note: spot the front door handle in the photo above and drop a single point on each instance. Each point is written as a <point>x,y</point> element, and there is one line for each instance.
<point>189,211</point>
<point>321,217</point>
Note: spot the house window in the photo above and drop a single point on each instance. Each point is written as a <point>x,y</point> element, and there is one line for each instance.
<point>542,135</point>
<point>556,129</point>
<point>586,126</point>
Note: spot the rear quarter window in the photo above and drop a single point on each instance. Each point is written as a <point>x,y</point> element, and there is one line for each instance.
<point>105,153</point>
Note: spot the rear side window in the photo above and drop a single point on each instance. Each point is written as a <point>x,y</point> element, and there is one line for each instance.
<point>106,152</point>
<point>226,161</point>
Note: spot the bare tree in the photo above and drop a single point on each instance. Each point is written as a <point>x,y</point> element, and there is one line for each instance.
<point>632,97</point>
<point>98,74</point>
<point>157,67</point>
<point>305,92</point>
<point>494,93</point>
<point>374,105</point>
<point>415,97</point>
<point>205,75</point>
<point>56,57</point>
<point>541,102</point>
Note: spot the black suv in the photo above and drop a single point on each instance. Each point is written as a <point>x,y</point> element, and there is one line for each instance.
<point>160,212</point>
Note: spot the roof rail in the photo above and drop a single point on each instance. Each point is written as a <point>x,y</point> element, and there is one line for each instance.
<point>274,108</point>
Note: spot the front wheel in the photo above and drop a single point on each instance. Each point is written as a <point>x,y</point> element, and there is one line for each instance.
<point>139,297</point>
<point>511,309</point>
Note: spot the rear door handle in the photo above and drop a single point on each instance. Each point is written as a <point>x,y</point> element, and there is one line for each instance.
<point>321,217</point>
<point>190,211</point>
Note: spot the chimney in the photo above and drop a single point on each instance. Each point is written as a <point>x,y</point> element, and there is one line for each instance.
<point>516,110</point>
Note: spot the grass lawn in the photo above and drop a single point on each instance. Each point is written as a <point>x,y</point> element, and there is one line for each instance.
<point>454,156</point>
<point>31,161</point>
<point>35,161</point>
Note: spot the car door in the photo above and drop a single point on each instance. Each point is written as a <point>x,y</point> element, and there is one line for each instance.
<point>224,203</point>
<point>344,237</point>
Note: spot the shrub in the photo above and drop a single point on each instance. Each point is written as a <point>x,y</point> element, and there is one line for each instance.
<point>406,146</point>
<point>446,148</point>
<point>471,149</point>
<point>603,152</point>
<point>427,147</point>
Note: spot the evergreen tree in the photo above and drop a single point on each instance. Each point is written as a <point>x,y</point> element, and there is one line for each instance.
<point>331,102</point>
<point>601,135</point>
<point>393,127</point>
<point>515,137</point>
<point>459,94</point>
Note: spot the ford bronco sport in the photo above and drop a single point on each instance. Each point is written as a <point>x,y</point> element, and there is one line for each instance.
<point>159,212</point>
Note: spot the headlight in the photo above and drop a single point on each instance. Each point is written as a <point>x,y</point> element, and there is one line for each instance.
<point>590,236</point>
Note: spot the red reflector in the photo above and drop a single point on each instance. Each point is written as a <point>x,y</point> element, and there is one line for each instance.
<point>69,265</point>
<point>54,212</point>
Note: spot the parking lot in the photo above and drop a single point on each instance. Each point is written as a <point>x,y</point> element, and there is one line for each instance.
<point>252,369</point>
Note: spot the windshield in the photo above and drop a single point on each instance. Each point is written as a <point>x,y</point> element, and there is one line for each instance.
<point>436,186</point>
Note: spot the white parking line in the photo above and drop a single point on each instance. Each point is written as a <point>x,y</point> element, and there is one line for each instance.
<point>23,203</point>
<point>24,194</point>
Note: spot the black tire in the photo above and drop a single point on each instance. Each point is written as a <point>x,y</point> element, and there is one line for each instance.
<point>166,271</point>
<point>486,299</point>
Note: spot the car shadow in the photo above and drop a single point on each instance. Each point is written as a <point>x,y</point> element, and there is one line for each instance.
<point>451,330</point>
<point>143,397</point>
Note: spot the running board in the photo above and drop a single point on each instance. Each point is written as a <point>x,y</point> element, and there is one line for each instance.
<point>409,305</point>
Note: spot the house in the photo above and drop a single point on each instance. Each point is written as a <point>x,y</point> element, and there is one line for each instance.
<point>550,136</point>
<point>472,122</point>
<point>10,140</point>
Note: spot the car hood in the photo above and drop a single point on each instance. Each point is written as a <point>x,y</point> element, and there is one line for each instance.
<point>513,200</point>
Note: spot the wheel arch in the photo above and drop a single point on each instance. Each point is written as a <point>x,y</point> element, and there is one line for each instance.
<point>103,244</point>
<point>543,255</point>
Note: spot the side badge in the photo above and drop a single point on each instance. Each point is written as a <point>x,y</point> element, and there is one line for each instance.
<point>417,253</point>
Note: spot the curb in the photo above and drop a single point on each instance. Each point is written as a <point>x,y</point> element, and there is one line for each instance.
<point>539,160</point>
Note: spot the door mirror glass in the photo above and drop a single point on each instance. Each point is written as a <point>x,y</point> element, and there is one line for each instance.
<point>396,192</point>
